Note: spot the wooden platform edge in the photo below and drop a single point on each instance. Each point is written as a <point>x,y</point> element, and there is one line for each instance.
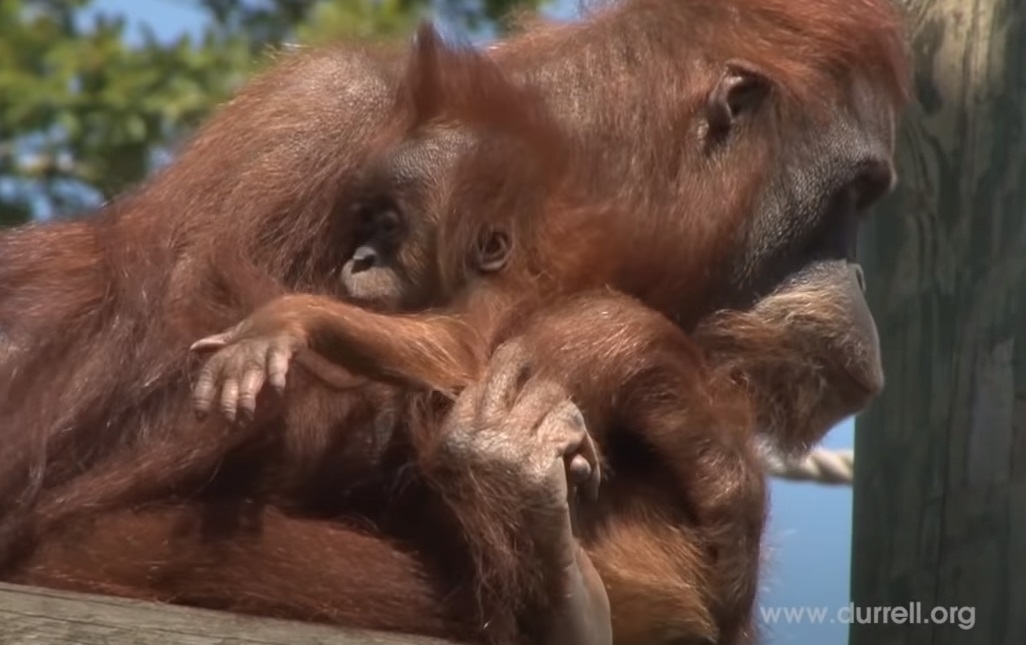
<point>31,615</point>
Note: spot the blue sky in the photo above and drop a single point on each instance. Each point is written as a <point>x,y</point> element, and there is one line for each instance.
<point>809,538</point>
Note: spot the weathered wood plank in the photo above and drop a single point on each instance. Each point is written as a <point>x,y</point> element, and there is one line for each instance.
<point>34,616</point>
<point>940,491</point>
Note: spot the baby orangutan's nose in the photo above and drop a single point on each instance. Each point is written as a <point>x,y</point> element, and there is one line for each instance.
<point>364,258</point>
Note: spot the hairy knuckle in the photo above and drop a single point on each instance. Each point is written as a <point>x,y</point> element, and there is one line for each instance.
<point>511,353</point>
<point>553,391</point>
<point>253,365</point>
<point>212,367</point>
<point>237,363</point>
<point>575,418</point>
<point>512,363</point>
<point>537,482</point>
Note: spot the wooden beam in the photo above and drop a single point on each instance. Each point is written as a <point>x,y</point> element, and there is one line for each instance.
<point>940,489</point>
<point>34,616</point>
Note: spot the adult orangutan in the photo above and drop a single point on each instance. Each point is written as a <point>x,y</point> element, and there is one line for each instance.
<point>710,123</point>
<point>489,243</point>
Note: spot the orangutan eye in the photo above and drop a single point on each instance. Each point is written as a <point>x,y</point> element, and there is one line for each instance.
<point>387,222</point>
<point>379,221</point>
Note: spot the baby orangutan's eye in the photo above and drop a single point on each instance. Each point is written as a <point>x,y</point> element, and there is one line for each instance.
<point>387,222</point>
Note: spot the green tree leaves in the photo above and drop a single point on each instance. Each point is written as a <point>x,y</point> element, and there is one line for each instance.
<point>86,111</point>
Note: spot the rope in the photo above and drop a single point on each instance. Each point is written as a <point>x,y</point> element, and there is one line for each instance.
<point>820,466</point>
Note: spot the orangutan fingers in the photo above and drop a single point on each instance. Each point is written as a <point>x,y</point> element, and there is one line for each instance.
<point>566,429</point>
<point>252,381</point>
<point>229,399</point>
<point>206,384</point>
<point>587,476</point>
<point>539,400</point>
<point>508,370</point>
<point>216,341</point>
<point>278,357</point>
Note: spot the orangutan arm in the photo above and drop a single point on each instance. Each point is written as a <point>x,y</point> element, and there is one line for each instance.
<point>422,349</point>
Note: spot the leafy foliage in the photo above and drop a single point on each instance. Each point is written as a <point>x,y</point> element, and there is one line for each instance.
<point>89,104</point>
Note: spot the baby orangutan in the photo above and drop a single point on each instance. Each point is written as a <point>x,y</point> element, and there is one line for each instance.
<point>437,217</point>
<point>407,198</point>
<point>483,250</point>
<point>396,218</point>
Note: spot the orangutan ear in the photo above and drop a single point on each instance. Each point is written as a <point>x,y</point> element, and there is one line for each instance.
<point>739,93</point>
<point>493,251</point>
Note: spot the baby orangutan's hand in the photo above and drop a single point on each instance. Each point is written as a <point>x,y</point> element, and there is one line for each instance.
<point>246,358</point>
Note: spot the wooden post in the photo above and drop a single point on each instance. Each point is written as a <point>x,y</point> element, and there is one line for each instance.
<point>940,488</point>
<point>32,616</point>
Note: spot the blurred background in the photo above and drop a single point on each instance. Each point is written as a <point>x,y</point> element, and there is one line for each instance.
<point>95,94</point>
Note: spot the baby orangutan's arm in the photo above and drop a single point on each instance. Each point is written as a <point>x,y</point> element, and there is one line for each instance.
<point>423,349</point>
